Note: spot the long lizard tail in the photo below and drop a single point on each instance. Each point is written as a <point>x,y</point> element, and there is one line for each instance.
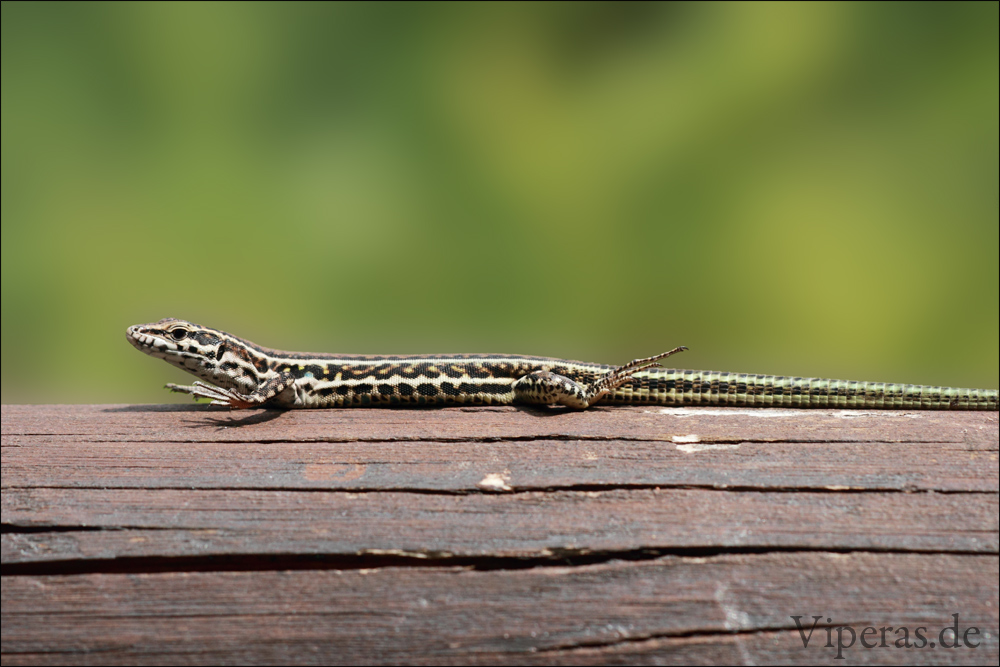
<point>684,387</point>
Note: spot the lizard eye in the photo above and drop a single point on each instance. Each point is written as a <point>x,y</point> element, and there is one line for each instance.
<point>178,334</point>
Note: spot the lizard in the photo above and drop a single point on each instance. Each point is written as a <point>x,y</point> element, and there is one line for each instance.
<point>241,375</point>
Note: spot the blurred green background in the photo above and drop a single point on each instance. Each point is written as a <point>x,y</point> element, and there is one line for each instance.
<point>801,189</point>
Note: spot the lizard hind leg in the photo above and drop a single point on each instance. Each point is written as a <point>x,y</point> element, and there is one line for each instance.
<point>545,388</point>
<point>619,376</point>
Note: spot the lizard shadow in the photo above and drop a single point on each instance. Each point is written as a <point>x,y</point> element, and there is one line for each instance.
<point>225,417</point>
<point>543,411</point>
<point>165,407</point>
<point>257,417</point>
<point>227,420</point>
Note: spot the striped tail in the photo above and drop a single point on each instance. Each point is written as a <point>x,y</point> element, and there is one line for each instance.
<point>684,387</point>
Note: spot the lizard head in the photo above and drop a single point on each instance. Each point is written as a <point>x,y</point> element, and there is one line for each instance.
<point>209,354</point>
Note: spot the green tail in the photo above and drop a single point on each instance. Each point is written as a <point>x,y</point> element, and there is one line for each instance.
<point>683,387</point>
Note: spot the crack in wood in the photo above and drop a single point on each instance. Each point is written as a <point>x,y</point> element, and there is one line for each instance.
<point>378,560</point>
<point>652,636</point>
<point>31,529</point>
<point>560,437</point>
<point>520,490</point>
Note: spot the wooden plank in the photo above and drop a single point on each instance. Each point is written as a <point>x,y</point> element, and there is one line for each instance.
<point>730,608</point>
<point>484,535</point>
<point>178,522</point>
<point>523,465</point>
<point>199,423</point>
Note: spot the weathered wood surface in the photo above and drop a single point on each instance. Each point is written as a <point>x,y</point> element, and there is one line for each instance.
<point>185,534</point>
<point>615,611</point>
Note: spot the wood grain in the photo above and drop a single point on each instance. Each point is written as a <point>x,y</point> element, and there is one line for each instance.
<point>199,423</point>
<point>526,465</point>
<point>192,535</point>
<point>532,524</point>
<point>690,610</point>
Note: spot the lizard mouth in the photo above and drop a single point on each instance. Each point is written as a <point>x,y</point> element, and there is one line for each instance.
<point>149,343</point>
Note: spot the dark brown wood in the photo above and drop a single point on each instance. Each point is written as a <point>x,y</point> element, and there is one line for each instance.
<point>526,465</point>
<point>671,607</point>
<point>186,534</point>
<point>199,423</point>
<point>522,525</point>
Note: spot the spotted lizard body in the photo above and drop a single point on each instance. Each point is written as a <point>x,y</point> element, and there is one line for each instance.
<point>240,374</point>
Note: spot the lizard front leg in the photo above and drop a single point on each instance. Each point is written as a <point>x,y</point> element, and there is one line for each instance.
<point>264,392</point>
<point>545,388</point>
